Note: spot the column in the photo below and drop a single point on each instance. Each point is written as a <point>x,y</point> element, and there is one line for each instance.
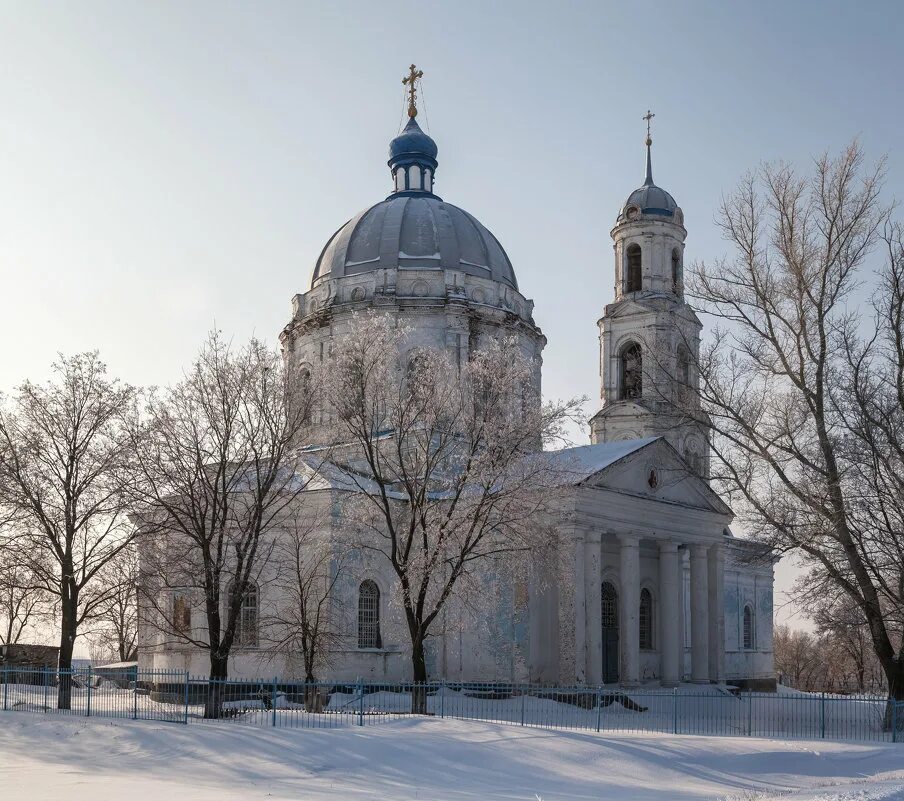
<point>671,637</point>
<point>699,615</point>
<point>629,608</point>
<point>716,570</point>
<point>580,609</point>
<point>594,637</point>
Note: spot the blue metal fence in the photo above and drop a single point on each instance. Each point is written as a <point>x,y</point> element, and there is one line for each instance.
<point>290,703</point>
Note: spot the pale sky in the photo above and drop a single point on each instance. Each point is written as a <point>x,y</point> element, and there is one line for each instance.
<point>170,166</point>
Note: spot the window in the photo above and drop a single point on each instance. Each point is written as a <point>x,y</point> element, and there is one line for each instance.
<point>676,269</point>
<point>748,628</point>
<point>631,369</point>
<point>306,397</point>
<point>633,283</point>
<point>684,366</point>
<point>609,597</point>
<point>181,615</point>
<point>369,615</point>
<point>246,624</point>
<point>646,620</point>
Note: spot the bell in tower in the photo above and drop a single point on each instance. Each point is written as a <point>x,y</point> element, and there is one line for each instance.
<point>649,336</point>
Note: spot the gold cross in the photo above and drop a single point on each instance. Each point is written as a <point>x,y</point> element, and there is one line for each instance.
<point>414,74</point>
<point>648,116</point>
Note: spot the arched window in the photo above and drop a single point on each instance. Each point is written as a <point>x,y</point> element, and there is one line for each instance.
<point>181,614</point>
<point>609,598</point>
<point>247,623</point>
<point>633,281</point>
<point>305,395</point>
<point>646,620</point>
<point>369,615</point>
<point>748,628</point>
<point>676,269</point>
<point>630,372</point>
<point>684,366</point>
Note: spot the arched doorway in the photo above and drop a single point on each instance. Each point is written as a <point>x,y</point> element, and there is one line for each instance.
<point>609,598</point>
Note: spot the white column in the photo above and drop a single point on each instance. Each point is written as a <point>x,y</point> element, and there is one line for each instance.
<point>671,637</point>
<point>629,609</point>
<point>699,615</point>
<point>593,606</point>
<point>716,570</point>
<point>580,609</point>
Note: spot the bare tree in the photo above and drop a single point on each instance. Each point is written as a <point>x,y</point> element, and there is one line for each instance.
<point>64,474</point>
<point>777,381</point>
<point>115,624</point>
<point>308,617</point>
<point>797,657</point>
<point>445,462</point>
<point>219,472</point>
<point>23,602</point>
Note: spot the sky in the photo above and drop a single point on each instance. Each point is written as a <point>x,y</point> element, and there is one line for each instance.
<point>170,167</point>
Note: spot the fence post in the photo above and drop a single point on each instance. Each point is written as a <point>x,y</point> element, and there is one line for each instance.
<point>135,699</point>
<point>822,715</point>
<point>523,699</point>
<point>186,694</point>
<point>5,686</point>
<point>442,698</point>
<point>894,719</point>
<point>273,701</point>
<point>749,713</point>
<point>360,702</point>
<point>674,710</point>
<point>599,707</point>
<point>88,707</point>
<point>44,672</point>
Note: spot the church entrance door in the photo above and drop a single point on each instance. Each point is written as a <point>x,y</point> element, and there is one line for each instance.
<point>610,632</point>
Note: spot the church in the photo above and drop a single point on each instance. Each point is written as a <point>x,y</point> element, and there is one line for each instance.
<point>651,584</point>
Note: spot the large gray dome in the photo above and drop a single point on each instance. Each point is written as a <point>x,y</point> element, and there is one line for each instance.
<point>414,232</point>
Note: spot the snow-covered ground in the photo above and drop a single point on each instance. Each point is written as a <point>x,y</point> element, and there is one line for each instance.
<point>45,758</point>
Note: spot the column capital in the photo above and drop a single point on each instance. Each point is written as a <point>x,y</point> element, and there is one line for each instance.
<point>628,540</point>
<point>717,551</point>
<point>668,546</point>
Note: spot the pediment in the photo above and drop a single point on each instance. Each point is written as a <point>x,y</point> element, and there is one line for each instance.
<point>657,471</point>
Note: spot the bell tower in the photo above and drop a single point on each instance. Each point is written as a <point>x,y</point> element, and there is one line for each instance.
<point>649,336</point>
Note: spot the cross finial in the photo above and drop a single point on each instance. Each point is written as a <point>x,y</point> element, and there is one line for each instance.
<point>414,75</point>
<point>648,117</point>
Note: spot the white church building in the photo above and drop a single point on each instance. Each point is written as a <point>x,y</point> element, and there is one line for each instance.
<point>651,585</point>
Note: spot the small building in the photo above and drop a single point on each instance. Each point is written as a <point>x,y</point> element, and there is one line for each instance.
<point>120,673</point>
<point>23,664</point>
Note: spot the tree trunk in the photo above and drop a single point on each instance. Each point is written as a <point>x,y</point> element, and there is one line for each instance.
<point>419,677</point>
<point>894,673</point>
<point>68,631</point>
<point>216,685</point>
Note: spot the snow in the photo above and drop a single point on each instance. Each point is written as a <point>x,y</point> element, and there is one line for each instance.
<point>76,759</point>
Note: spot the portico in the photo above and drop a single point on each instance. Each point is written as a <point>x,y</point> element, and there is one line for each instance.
<point>649,579</point>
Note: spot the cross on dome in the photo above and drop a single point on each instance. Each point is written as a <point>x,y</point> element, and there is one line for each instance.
<point>414,75</point>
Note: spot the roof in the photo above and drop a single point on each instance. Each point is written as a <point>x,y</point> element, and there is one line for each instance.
<point>583,461</point>
<point>414,232</point>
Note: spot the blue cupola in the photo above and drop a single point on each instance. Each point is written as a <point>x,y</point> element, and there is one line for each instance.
<point>412,154</point>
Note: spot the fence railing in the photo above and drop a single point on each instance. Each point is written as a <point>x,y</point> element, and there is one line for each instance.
<point>291,703</point>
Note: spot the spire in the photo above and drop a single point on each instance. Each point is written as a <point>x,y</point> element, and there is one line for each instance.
<point>648,181</point>
<point>414,75</point>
